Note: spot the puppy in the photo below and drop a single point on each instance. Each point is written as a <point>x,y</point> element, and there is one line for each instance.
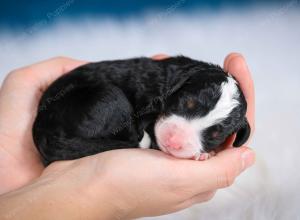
<point>181,106</point>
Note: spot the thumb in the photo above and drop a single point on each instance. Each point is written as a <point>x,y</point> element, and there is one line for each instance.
<point>219,171</point>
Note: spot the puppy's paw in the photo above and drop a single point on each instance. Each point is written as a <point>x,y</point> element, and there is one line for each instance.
<point>204,156</point>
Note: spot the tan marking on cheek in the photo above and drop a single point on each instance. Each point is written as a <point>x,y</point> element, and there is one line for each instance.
<point>190,104</point>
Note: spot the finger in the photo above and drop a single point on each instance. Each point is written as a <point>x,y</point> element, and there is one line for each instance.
<point>21,91</point>
<point>41,74</point>
<point>160,56</point>
<point>217,172</point>
<point>236,65</point>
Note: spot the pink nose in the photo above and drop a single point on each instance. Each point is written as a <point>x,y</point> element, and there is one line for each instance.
<point>173,141</point>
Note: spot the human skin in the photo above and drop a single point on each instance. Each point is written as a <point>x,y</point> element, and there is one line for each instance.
<point>120,184</point>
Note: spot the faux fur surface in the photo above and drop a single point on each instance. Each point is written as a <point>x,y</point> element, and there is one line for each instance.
<point>268,38</point>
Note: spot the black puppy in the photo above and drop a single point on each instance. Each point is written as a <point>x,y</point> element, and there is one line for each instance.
<point>181,106</point>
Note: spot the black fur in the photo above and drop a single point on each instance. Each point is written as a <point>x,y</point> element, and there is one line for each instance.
<point>107,105</point>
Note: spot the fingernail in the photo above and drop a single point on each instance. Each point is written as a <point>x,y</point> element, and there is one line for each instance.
<point>229,59</point>
<point>248,158</point>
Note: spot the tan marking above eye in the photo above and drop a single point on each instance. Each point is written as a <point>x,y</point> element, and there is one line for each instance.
<point>190,104</point>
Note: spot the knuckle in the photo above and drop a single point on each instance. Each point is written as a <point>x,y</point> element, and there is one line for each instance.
<point>228,181</point>
<point>225,180</point>
<point>18,75</point>
<point>229,178</point>
<point>13,75</point>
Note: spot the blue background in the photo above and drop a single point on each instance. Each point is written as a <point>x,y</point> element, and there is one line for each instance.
<point>17,14</point>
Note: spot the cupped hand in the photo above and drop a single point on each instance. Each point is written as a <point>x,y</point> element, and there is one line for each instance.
<point>136,182</point>
<point>133,183</point>
<point>19,97</point>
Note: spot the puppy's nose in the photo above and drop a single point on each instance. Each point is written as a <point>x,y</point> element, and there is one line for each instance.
<point>173,142</point>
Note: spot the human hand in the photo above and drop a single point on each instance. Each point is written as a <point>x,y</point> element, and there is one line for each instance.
<point>149,183</point>
<point>124,184</point>
<point>138,182</point>
<point>236,65</point>
<point>19,98</point>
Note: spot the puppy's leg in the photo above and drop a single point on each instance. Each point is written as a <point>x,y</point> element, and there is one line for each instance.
<point>146,141</point>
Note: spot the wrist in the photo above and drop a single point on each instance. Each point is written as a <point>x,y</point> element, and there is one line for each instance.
<point>90,190</point>
<point>60,196</point>
<point>86,193</point>
<point>101,195</point>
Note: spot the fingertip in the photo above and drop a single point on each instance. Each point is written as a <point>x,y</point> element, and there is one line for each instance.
<point>229,58</point>
<point>160,56</point>
<point>237,66</point>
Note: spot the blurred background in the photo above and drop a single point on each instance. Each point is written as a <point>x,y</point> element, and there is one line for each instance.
<point>267,33</point>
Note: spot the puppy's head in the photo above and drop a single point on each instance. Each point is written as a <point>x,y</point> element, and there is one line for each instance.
<point>199,116</point>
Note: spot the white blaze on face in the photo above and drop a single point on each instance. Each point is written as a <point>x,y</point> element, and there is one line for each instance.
<point>181,137</point>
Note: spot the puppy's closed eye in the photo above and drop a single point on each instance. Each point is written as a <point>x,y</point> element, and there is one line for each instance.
<point>215,134</point>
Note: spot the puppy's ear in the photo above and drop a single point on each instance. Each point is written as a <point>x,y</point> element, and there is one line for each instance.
<point>178,85</point>
<point>242,134</point>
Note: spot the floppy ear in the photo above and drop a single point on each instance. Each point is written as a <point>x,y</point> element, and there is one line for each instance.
<point>242,134</point>
<point>175,85</point>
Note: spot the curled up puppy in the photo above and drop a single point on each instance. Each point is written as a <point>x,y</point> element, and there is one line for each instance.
<point>184,107</point>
